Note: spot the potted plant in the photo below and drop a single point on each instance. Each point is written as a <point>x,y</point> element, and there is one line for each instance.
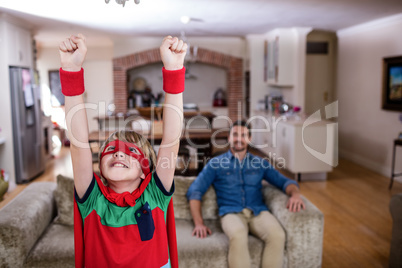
<point>3,183</point>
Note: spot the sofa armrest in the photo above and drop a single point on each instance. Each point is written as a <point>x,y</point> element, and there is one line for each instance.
<point>304,230</point>
<point>23,220</point>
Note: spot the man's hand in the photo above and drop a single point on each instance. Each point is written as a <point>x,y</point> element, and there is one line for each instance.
<point>295,203</point>
<point>201,231</point>
<point>173,52</point>
<point>72,53</point>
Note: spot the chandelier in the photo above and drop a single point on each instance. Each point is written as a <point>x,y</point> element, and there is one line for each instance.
<point>122,2</point>
<point>192,51</point>
<point>191,56</point>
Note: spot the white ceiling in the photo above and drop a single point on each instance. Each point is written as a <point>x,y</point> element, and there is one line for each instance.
<point>53,18</point>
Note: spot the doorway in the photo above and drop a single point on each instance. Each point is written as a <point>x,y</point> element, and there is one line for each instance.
<point>320,70</point>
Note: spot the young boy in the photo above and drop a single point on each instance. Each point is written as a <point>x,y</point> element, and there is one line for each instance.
<point>120,218</point>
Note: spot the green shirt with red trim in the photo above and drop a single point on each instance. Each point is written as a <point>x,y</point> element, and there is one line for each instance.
<point>126,236</point>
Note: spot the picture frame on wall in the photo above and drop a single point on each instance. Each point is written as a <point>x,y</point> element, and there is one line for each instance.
<point>392,84</point>
<point>55,88</point>
<point>271,64</point>
<point>265,61</point>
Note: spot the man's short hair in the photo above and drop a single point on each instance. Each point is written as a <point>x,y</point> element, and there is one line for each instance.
<point>242,123</point>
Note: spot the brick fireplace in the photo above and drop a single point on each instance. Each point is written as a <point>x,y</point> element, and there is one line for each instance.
<point>232,65</point>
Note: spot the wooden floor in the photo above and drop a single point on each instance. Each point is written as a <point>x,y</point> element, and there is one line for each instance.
<point>355,203</point>
<point>354,200</point>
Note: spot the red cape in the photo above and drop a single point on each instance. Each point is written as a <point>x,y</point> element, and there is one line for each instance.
<point>79,236</point>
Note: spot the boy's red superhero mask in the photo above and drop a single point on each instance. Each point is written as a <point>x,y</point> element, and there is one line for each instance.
<point>129,149</point>
<point>126,198</point>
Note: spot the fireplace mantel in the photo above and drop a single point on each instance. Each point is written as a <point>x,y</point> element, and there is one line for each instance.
<point>232,65</point>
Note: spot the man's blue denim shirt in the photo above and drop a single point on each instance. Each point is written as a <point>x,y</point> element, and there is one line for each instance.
<point>237,184</point>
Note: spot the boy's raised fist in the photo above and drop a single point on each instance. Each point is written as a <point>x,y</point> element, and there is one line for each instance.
<point>173,50</point>
<point>72,53</point>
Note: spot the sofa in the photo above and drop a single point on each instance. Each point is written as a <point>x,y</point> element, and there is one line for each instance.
<point>304,231</point>
<point>36,229</point>
<point>395,207</point>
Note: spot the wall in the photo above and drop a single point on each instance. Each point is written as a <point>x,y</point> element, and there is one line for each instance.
<point>366,132</point>
<point>258,88</point>
<point>200,89</point>
<point>7,149</point>
<point>98,71</point>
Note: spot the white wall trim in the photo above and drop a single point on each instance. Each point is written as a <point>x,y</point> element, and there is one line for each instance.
<point>374,166</point>
<point>371,25</point>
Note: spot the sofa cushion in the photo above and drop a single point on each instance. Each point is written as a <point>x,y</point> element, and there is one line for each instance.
<point>181,205</point>
<point>54,249</point>
<point>210,251</point>
<point>64,196</point>
<point>304,229</point>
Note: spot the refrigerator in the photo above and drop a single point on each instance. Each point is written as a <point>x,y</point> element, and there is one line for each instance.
<point>27,124</point>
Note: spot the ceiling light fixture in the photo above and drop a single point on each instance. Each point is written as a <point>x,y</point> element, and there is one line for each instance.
<point>122,2</point>
<point>185,19</point>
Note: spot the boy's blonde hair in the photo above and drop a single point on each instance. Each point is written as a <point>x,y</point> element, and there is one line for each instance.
<point>132,137</point>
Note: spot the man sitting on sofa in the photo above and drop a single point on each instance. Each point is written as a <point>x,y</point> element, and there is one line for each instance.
<point>236,176</point>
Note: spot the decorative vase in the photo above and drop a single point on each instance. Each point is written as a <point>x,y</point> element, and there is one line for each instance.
<point>3,188</point>
<point>3,183</point>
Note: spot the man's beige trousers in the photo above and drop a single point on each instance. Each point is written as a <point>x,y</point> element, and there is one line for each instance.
<point>264,226</point>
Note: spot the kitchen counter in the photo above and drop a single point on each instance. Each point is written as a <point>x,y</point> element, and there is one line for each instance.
<point>295,144</point>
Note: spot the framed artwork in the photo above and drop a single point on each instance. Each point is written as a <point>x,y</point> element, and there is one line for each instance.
<point>55,88</point>
<point>265,61</point>
<point>271,54</point>
<point>392,84</point>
